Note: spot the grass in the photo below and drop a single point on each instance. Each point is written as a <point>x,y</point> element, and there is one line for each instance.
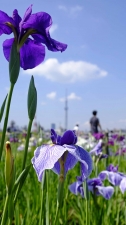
<point>31,210</point>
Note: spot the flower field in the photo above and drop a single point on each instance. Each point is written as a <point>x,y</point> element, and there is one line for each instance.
<point>54,178</point>
<point>37,201</point>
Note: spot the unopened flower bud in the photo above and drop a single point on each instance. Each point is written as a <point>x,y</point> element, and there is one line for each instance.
<point>9,167</point>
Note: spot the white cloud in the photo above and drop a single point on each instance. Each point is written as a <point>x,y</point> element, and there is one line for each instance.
<point>62,7</point>
<point>76,9</point>
<point>72,96</point>
<point>72,10</point>
<point>53,28</point>
<point>67,72</point>
<point>51,95</point>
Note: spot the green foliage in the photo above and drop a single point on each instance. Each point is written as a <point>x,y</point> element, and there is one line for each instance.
<point>33,200</point>
<point>2,108</point>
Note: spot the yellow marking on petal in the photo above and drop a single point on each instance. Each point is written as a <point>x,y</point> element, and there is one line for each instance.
<point>13,29</point>
<point>25,36</point>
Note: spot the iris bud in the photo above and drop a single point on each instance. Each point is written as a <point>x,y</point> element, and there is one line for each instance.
<point>9,168</point>
<point>32,99</point>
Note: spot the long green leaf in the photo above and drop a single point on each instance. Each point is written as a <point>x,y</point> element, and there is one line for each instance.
<point>2,108</point>
<point>20,181</point>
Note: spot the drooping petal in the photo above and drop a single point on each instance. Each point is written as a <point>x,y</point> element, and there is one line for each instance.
<point>51,44</point>
<point>74,188</point>
<point>97,149</point>
<point>114,178</point>
<point>55,46</point>
<point>68,138</point>
<point>7,44</point>
<point>32,54</point>
<point>123,185</point>
<point>103,175</point>
<point>4,29</point>
<point>106,192</point>
<point>69,164</point>
<point>45,157</point>
<point>82,156</point>
<point>84,171</point>
<point>56,168</point>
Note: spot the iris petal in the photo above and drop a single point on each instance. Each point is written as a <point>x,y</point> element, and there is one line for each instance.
<point>97,149</point>
<point>39,21</point>
<point>103,175</point>
<point>56,139</point>
<point>32,54</point>
<point>26,17</point>
<point>45,157</point>
<point>4,29</point>
<point>16,18</point>
<point>106,192</point>
<point>82,156</point>
<point>69,164</point>
<point>74,188</point>
<point>68,138</point>
<point>51,44</point>
<point>114,178</point>
<point>7,44</point>
<point>123,185</point>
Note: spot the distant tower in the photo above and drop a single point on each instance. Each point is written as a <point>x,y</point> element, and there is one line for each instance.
<point>66,112</point>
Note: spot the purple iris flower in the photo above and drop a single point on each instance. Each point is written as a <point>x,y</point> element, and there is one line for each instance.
<point>63,148</point>
<point>118,137</point>
<point>121,152</point>
<point>114,136</point>
<point>95,185</point>
<point>98,136</point>
<point>97,150</point>
<point>32,52</point>
<point>114,177</point>
<point>13,139</point>
<point>111,142</point>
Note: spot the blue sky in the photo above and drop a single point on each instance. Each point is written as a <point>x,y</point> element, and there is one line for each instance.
<point>92,69</point>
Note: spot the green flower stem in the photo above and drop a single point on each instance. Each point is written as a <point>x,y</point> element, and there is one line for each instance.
<point>87,219</point>
<point>47,198</point>
<point>86,193</point>
<point>61,183</point>
<point>6,118</point>
<point>60,196</point>
<point>10,221</point>
<point>26,144</point>
<point>5,211</point>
